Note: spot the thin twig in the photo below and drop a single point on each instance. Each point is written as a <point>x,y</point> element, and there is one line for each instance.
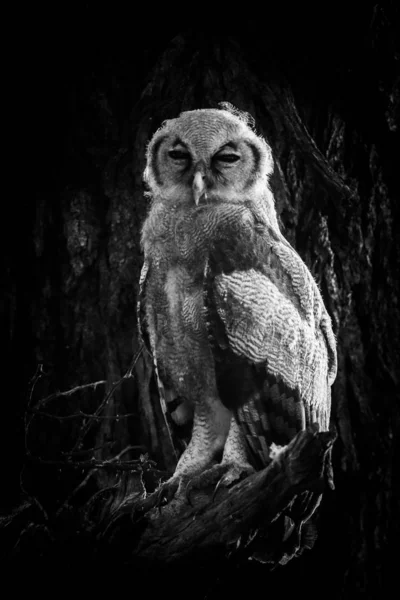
<point>36,377</point>
<point>129,465</point>
<point>88,450</point>
<point>32,384</point>
<point>70,392</point>
<point>125,450</point>
<point>32,498</point>
<point>78,414</point>
<point>85,429</point>
<point>82,484</point>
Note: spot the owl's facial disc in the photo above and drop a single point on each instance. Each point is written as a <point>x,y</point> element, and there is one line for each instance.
<point>198,166</point>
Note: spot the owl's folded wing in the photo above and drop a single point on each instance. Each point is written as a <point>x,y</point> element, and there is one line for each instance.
<point>279,355</point>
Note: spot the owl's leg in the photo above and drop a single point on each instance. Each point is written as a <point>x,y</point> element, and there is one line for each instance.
<point>234,459</point>
<point>210,431</point>
<point>233,467</point>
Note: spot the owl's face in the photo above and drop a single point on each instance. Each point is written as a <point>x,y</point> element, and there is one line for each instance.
<point>207,156</point>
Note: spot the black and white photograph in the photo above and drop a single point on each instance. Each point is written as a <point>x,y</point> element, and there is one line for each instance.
<point>201,302</point>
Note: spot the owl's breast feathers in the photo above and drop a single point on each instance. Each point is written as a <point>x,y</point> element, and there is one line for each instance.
<point>271,338</point>
<point>274,350</point>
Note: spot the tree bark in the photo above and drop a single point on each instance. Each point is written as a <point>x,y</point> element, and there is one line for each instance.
<point>181,531</point>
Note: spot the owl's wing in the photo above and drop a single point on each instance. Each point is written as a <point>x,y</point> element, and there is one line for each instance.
<point>274,349</point>
<point>145,325</point>
<point>140,308</point>
<point>275,357</point>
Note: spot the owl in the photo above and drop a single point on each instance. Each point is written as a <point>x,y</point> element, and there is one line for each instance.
<point>239,334</point>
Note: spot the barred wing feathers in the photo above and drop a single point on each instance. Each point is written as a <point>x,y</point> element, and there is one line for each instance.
<point>273,346</point>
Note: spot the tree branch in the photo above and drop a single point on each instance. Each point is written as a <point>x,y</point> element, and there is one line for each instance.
<point>178,531</point>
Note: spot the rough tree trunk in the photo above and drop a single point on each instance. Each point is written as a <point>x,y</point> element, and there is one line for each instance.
<point>71,287</point>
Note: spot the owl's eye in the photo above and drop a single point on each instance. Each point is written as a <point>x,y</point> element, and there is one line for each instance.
<point>227,158</point>
<point>179,155</point>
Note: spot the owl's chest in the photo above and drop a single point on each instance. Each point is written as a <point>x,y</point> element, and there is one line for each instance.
<point>176,319</point>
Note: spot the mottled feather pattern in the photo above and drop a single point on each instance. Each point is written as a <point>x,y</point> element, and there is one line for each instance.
<point>267,311</point>
<point>268,409</point>
<point>272,416</point>
<point>235,320</point>
<point>260,305</point>
<point>264,326</point>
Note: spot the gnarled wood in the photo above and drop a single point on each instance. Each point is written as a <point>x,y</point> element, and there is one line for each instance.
<point>179,530</point>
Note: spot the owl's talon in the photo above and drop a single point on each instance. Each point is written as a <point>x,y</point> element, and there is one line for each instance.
<point>202,481</point>
<point>217,488</point>
<point>223,474</point>
<point>167,491</point>
<point>188,491</point>
<point>234,473</point>
<point>147,504</point>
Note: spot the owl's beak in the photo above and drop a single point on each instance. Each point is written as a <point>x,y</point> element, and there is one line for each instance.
<point>198,187</point>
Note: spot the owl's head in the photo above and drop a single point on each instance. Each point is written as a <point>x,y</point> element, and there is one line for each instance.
<point>206,156</point>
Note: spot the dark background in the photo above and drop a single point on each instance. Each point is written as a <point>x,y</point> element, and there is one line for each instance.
<point>91,86</point>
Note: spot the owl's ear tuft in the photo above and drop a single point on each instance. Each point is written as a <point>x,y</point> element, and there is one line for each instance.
<point>242,115</point>
<point>164,125</point>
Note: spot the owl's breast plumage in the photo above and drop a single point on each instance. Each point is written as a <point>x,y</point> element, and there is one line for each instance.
<point>174,301</point>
